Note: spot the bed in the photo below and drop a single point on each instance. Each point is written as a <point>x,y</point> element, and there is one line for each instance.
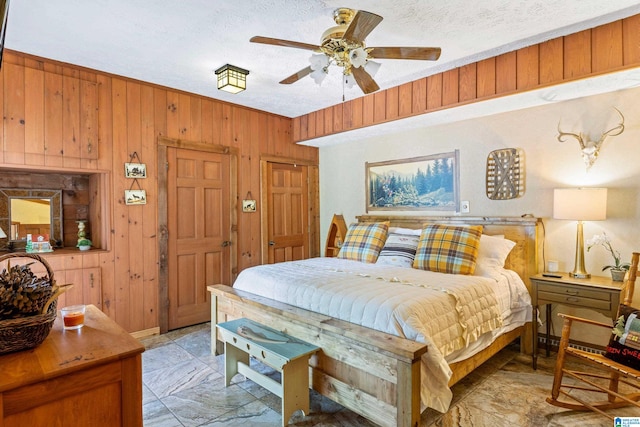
<point>371,368</point>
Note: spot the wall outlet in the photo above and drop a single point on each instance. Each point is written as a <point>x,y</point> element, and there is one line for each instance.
<point>464,206</point>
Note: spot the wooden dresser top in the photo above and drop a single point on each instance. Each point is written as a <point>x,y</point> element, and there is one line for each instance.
<point>99,341</point>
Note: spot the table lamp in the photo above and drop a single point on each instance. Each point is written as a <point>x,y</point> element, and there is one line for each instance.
<point>580,204</point>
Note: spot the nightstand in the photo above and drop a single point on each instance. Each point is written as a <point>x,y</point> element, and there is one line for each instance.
<point>335,236</point>
<point>597,293</point>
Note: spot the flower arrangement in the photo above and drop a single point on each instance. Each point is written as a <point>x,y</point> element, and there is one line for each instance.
<point>604,241</point>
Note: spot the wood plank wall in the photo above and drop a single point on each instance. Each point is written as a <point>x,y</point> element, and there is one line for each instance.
<point>604,49</point>
<point>61,118</point>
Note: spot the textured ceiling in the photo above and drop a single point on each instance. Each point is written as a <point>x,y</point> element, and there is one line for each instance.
<point>179,43</point>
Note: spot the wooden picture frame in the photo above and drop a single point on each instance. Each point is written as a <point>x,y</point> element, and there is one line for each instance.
<point>135,170</point>
<point>426,183</point>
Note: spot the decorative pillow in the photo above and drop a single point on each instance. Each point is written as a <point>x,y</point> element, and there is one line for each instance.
<point>448,249</point>
<point>363,242</point>
<point>405,231</point>
<point>494,250</point>
<point>624,345</point>
<point>399,250</point>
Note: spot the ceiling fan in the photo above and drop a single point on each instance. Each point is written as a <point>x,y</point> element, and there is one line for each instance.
<point>344,46</point>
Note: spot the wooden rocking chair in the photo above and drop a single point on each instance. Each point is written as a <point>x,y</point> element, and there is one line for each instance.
<point>613,373</point>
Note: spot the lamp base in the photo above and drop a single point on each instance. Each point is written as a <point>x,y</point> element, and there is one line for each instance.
<point>579,271</point>
<point>580,275</point>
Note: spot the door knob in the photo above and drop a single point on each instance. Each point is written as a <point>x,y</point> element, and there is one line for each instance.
<point>226,243</point>
<point>272,243</point>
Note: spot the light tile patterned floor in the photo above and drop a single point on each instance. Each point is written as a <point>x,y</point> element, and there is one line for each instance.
<point>183,385</point>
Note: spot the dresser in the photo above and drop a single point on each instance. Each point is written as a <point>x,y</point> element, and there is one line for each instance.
<point>86,377</point>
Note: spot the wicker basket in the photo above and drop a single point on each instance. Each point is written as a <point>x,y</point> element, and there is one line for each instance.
<point>28,332</point>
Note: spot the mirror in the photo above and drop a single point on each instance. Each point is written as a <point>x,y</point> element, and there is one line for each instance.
<point>36,212</point>
<point>29,216</point>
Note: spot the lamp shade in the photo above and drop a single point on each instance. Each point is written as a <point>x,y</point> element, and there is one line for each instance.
<point>372,67</point>
<point>3,235</point>
<point>580,204</point>
<point>318,61</point>
<point>318,75</point>
<point>358,57</point>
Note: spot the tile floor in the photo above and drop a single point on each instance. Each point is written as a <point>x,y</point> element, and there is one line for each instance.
<point>183,385</point>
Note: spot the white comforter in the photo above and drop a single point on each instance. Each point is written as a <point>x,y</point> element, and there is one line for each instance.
<point>447,312</point>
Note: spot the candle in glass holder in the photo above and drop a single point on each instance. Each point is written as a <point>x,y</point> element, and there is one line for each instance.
<point>73,316</point>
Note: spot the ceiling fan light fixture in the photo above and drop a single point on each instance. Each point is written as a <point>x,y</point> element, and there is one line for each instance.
<point>231,79</point>
<point>319,61</point>
<point>358,57</point>
<point>372,67</point>
<point>349,81</point>
<point>319,75</point>
<point>344,46</point>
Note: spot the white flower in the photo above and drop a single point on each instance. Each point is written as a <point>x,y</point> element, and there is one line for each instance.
<point>597,239</point>
<point>603,240</point>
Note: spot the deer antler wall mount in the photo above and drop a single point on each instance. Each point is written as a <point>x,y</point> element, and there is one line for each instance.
<point>591,149</point>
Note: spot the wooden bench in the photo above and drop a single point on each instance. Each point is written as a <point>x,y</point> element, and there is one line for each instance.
<point>288,355</point>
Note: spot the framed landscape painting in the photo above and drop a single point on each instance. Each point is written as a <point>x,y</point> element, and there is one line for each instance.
<point>427,183</point>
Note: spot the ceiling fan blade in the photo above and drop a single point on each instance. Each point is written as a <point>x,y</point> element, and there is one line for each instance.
<point>428,53</point>
<point>297,76</point>
<point>285,43</point>
<point>364,80</point>
<point>362,24</point>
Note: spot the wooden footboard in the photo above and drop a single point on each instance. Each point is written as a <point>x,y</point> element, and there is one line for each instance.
<point>374,374</point>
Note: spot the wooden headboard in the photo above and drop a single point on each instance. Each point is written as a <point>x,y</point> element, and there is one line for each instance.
<point>523,259</point>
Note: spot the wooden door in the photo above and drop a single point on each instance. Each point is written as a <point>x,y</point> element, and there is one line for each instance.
<point>198,219</point>
<point>287,212</point>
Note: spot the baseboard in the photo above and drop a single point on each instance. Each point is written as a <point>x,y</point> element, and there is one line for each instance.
<point>146,333</point>
<point>555,341</point>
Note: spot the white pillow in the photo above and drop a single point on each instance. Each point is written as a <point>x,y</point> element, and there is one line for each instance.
<point>494,250</point>
<point>405,231</point>
<point>399,250</point>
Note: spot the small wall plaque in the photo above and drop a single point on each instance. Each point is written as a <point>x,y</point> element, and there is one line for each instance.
<point>135,170</point>
<point>135,197</point>
<point>248,205</point>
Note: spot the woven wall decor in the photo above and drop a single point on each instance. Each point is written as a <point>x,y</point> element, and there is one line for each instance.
<point>505,174</point>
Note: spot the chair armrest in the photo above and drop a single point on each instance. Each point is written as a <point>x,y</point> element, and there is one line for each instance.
<point>583,320</point>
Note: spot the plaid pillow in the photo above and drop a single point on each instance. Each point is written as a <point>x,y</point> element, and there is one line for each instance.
<point>363,242</point>
<point>448,249</point>
<point>624,345</point>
